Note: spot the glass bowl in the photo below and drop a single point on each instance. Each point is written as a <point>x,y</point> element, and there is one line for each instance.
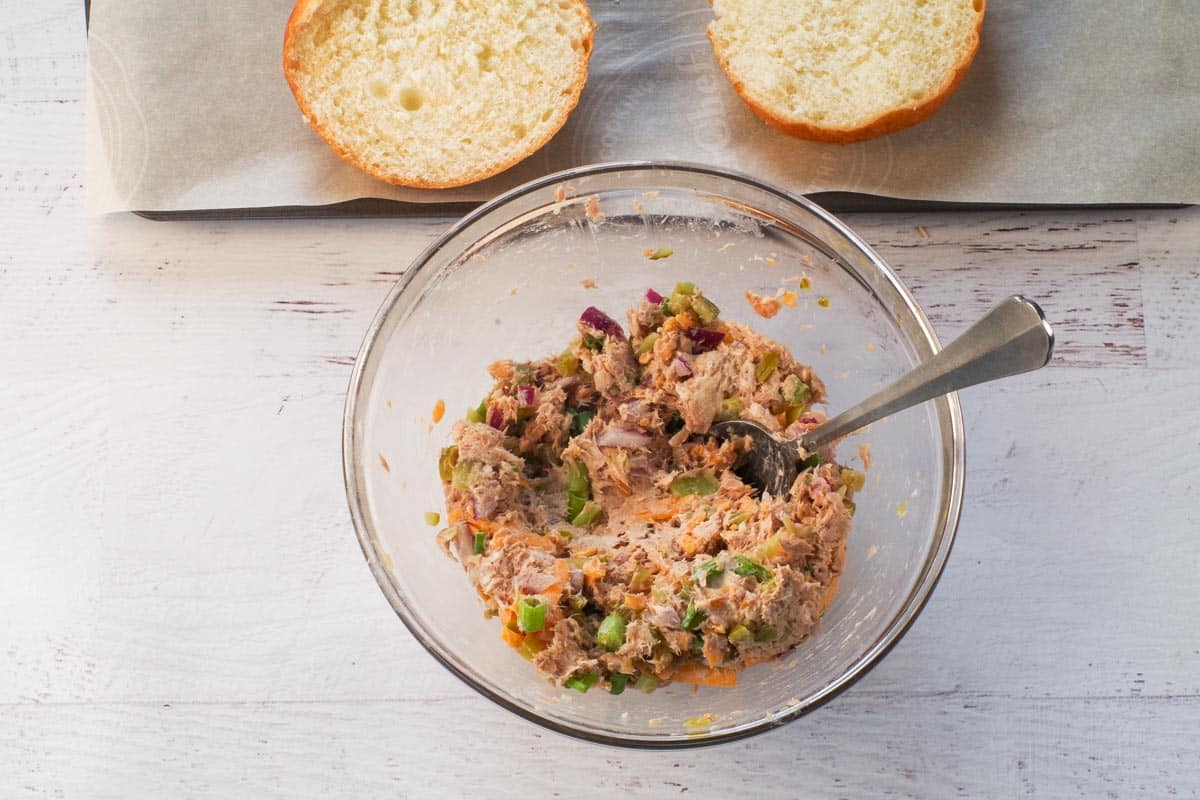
<point>509,281</point>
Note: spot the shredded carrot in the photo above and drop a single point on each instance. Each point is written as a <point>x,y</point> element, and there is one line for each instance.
<point>705,676</point>
<point>508,617</point>
<point>439,410</point>
<point>635,602</point>
<point>658,513</point>
<point>765,307</point>
<point>562,576</point>
<point>512,638</point>
<point>593,569</point>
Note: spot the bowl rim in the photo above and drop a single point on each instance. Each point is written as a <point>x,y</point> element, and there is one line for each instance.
<point>919,595</point>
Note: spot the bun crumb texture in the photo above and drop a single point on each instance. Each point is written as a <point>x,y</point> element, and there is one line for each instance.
<point>437,94</point>
<point>845,70</point>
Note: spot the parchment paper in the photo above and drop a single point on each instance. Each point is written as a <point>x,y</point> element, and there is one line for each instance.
<point>1072,101</point>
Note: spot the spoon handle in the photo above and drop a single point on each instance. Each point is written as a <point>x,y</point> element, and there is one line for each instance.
<point>1012,338</point>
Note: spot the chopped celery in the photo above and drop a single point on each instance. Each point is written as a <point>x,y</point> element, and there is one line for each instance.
<point>480,542</point>
<point>705,309</point>
<point>641,580</point>
<point>769,550</point>
<point>579,489</point>
<point>579,419</point>
<point>646,682</point>
<point>740,634</point>
<point>852,479</point>
<point>530,647</point>
<point>765,633</point>
<point>595,343</point>
<point>588,514</point>
<point>660,253</point>
<point>567,364</point>
<point>792,532</point>
<point>706,573</point>
<point>446,462</point>
<point>611,634</point>
<point>737,518</point>
<point>730,407</point>
<point>647,344</point>
<point>479,413</point>
<point>812,462</point>
<point>685,287</point>
<point>692,618</point>
<point>581,682</point>
<point>677,303</point>
<point>461,474</point>
<point>699,482</point>
<point>617,683</point>
<point>531,614</point>
<point>801,393</point>
<point>745,567</point>
<point>766,366</point>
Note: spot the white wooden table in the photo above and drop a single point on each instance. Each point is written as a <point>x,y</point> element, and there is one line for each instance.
<point>184,611</point>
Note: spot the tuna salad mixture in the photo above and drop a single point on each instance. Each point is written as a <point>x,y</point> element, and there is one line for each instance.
<point>611,534</point>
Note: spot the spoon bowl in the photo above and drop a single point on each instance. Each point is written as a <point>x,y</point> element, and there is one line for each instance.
<point>1012,338</point>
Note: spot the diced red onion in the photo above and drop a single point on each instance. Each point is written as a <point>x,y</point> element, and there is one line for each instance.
<point>602,322</point>
<point>527,395</point>
<point>704,339</point>
<point>681,366</point>
<point>808,419</point>
<point>620,436</point>
<point>653,296</point>
<point>495,417</point>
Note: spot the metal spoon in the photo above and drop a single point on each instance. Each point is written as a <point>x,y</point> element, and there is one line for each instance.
<point>1012,338</point>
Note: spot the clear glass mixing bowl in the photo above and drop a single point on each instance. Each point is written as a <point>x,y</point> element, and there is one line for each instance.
<point>508,282</point>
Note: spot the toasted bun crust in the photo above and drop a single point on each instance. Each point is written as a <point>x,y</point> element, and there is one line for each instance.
<point>863,116</point>
<point>436,96</point>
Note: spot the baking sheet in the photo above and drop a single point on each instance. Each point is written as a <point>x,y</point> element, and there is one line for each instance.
<point>1072,102</point>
